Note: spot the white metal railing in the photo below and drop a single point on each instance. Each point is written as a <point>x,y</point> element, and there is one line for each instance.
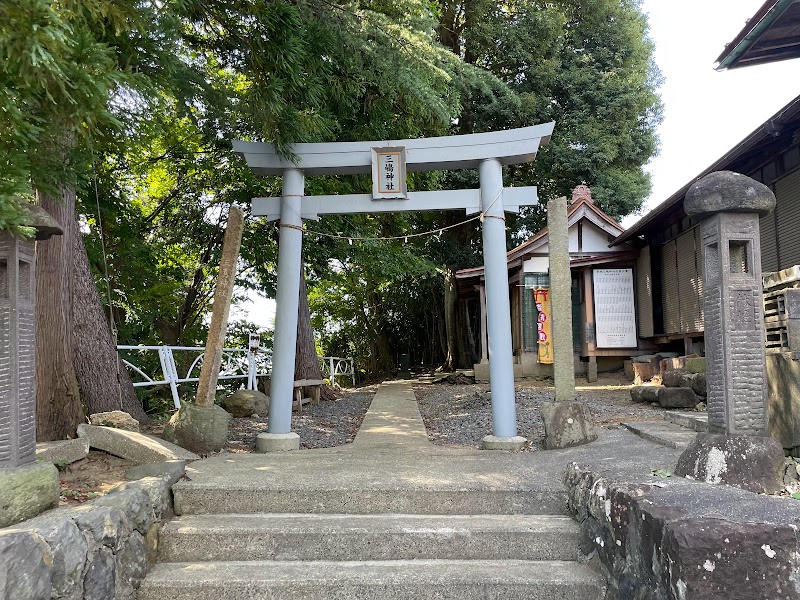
<point>237,363</point>
<point>333,366</point>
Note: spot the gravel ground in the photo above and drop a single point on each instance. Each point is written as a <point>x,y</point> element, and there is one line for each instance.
<point>461,415</point>
<point>332,423</point>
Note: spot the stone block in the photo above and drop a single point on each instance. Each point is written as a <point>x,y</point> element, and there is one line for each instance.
<point>68,548</point>
<point>643,372</point>
<point>750,462</point>
<point>643,358</point>
<point>137,447</point>
<point>676,397</point>
<point>672,378</point>
<point>650,393</point>
<point>670,364</point>
<point>99,583</point>
<point>158,490</point>
<point>134,503</point>
<point>783,383</point>
<point>627,367</point>
<point>116,419</point>
<point>173,470</point>
<point>687,380</point>
<point>62,451</point>
<point>699,385</point>
<point>696,364</point>
<point>685,540</point>
<point>636,393</point>
<point>245,403</point>
<point>131,566</point>
<point>201,429</point>
<point>26,566</point>
<point>27,491</point>
<point>567,424</point>
<point>102,525</point>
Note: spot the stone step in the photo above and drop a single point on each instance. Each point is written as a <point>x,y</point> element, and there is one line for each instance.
<point>379,580</point>
<point>662,433</point>
<point>197,499</point>
<point>696,421</point>
<point>197,538</point>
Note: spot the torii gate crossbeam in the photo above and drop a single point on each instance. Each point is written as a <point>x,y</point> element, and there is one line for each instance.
<point>486,151</point>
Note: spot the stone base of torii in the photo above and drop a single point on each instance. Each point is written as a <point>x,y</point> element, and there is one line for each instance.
<point>488,152</point>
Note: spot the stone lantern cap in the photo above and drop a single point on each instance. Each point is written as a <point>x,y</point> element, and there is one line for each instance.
<point>45,225</point>
<point>726,191</point>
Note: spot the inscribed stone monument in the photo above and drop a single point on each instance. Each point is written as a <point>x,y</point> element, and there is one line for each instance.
<point>566,422</point>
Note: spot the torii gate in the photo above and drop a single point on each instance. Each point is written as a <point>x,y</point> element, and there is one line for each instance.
<point>486,151</point>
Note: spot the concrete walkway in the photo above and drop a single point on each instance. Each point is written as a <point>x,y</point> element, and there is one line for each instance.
<point>391,454</point>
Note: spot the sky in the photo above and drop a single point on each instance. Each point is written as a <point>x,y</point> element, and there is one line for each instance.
<point>705,112</point>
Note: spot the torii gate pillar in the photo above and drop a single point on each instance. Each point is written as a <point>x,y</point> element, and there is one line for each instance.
<point>290,262</point>
<point>501,365</point>
<point>486,151</point>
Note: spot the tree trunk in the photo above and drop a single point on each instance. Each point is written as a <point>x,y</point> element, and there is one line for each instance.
<point>102,378</point>
<point>58,402</point>
<point>450,321</point>
<point>306,359</point>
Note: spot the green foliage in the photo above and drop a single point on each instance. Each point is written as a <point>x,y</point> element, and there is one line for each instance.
<point>135,103</point>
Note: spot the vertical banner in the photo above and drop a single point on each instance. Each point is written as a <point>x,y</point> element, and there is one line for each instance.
<point>544,325</point>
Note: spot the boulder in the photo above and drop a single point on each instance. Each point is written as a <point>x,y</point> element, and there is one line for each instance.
<point>750,462</point>
<point>699,385</point>
<point>676,397</point>
<point>567,424</point>
<point>116,419</point>
<point>246,403</point>
<point>202,429</point>
<point>672,378</point>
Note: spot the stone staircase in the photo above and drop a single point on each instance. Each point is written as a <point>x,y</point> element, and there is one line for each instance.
<point>374,521</point>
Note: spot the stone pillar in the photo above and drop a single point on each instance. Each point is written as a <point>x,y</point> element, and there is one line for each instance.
<point>561,300</point>
<point>26,487</point>
<point>730,205</point>
<point>501,360</point>
<point>566,422</point>
<point>290,245</point>
<point>202,427</point>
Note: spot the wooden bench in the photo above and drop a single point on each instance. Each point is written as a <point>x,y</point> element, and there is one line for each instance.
<point>313,388</point>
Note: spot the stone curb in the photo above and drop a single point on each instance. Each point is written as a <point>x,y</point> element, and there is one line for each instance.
<point>102,548</point>
<point>674,538</point>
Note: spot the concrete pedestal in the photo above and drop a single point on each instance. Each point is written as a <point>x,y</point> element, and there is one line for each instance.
<point>566,424</point>
<point>494,442</point>
<point>277,442</point>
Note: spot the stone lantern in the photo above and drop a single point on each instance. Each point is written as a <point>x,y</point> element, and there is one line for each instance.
<point>26,487</point>
<point>736,450</point>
